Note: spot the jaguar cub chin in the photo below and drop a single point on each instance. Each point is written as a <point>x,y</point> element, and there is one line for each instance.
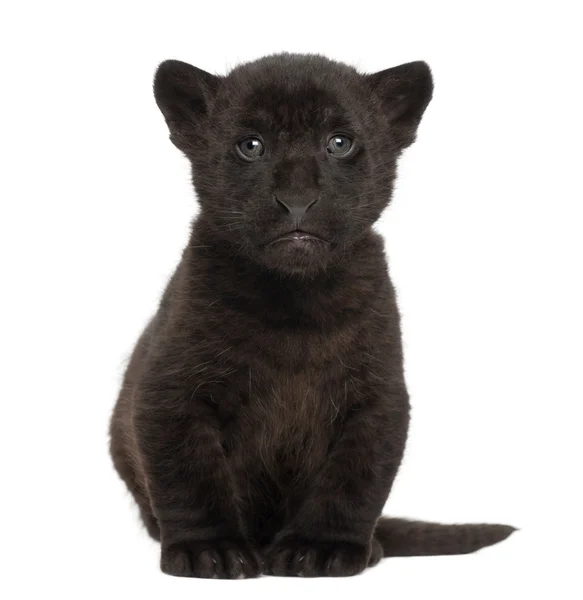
<point>263,414</point>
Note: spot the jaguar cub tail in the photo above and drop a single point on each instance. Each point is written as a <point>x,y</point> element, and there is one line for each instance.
<point>400,537</point>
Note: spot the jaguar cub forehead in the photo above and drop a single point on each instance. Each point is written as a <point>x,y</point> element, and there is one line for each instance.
<point>279,109</point>
<point>287,91</point>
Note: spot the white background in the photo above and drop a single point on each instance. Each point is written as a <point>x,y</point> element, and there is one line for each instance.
<point>485,246</point>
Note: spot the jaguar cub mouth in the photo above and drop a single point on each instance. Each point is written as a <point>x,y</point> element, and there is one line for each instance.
<point>298,237</point>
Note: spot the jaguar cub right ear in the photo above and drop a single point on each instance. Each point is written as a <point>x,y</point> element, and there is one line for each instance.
<point>404,92</point>
<point>183,94</point>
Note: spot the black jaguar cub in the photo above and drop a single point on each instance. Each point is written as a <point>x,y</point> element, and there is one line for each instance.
<point>264,413</point>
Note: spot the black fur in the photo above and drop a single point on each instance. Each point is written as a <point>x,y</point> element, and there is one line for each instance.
<point>264,413</point>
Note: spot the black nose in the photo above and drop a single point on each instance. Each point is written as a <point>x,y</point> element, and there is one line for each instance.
<point>296,205</point>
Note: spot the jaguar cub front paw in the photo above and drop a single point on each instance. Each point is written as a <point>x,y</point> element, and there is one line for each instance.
<point>301,558</point>
<point>213,559</point>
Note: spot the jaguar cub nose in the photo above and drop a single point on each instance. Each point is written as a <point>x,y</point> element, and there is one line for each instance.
<point>296,206</point>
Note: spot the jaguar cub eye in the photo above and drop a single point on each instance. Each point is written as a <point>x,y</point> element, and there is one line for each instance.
<point>250,148</point>
<point>339,145</point>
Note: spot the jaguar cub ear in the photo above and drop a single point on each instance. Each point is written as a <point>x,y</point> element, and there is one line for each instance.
<point>183,94</point>
<point>404,92</point>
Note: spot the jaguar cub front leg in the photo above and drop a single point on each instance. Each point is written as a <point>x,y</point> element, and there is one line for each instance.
<point>332,535</point>
<point>192,492</point>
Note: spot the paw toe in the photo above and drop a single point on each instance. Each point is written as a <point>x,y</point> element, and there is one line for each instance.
<point>301,559</point>
<point>211,560</point>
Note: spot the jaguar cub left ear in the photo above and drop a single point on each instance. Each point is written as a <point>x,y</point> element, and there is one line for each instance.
<point>184,94</point>
<point>404,92</point>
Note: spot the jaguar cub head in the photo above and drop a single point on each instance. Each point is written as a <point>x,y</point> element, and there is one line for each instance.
<point>293,156</point>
